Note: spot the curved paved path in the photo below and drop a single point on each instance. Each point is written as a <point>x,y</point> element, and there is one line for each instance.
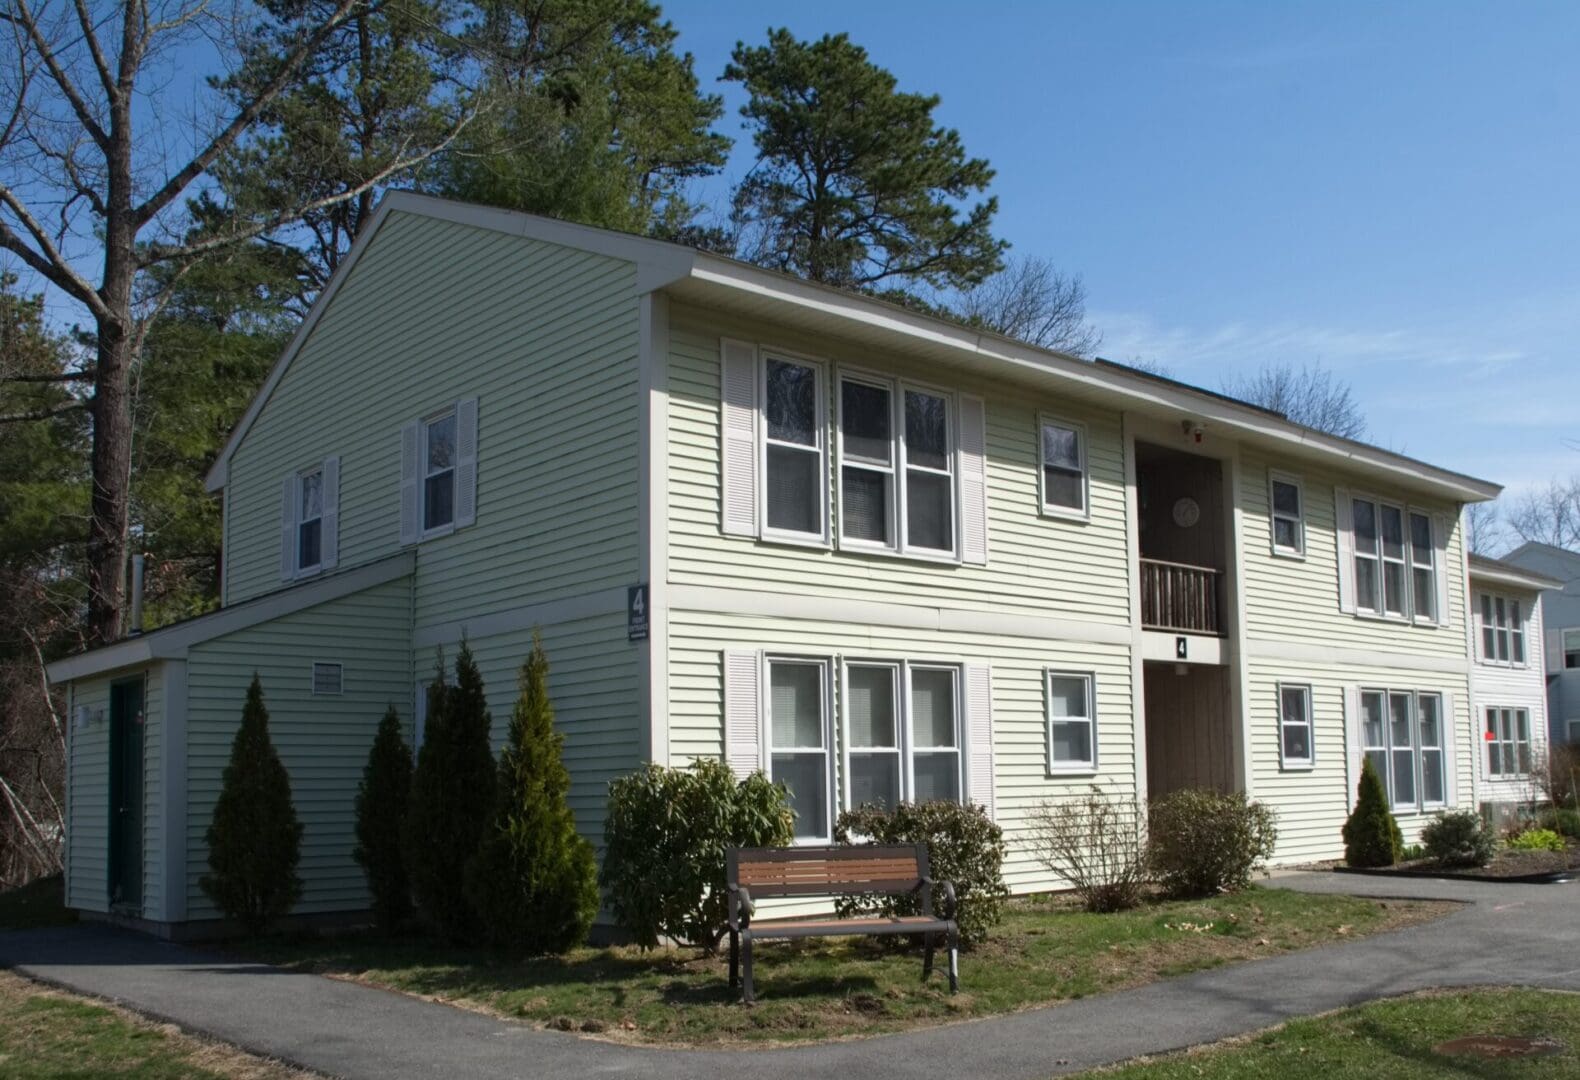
<point>1505,934</point>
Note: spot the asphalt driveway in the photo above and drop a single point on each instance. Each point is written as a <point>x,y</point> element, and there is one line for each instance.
<point>1505,934</point>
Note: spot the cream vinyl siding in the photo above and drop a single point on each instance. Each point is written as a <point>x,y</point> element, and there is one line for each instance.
<point>546,339</point>
<point>323,741</point>
<point>1036,564</point>
<point>594,684</point>
<point>88,793</point>
<point>1506,687</point>
<point>698,641</point>
<point>1290,600</point>
<point>1312,803</point>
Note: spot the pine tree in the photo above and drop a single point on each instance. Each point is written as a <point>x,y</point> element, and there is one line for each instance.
<point>452,797</point>
<point>381,813</point>
<point>534,880</point>
<point>254,840</point>
<point>1371,836</point>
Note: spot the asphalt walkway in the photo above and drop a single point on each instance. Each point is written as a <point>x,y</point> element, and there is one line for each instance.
<point>1505,934</point>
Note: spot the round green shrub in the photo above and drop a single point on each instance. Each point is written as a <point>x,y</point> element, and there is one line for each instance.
<point>1201,843</point>
<point>964,848</point>
<point>665,837</point>
<point>1371,835</point>
<point>1459,838</point>
<point>1538,840</point>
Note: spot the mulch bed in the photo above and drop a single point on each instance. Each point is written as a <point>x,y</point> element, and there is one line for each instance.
<point>1530,867</point>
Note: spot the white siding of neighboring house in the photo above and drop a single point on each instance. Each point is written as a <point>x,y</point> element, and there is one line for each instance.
<point>1509,686</point>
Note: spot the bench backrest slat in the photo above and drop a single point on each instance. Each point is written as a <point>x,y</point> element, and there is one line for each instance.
<point>826,871</point>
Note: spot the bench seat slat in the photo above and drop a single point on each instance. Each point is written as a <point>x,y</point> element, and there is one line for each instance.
<point>862,926</point>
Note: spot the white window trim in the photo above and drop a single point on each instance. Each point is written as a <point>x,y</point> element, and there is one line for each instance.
<point>1436,618</point>
<point>1520,627</point>
<point>897,388</point>
<point>1507,777</point>
<point>1070,768</point>
<point>446,529</point>
<point>1563,648</point>
<point>820,368</point>
<point>1273,516</point>
<point>1417,758</point>
<point>905,730</point>
<point>765,681</point>
<point>298,521</point>
<point>1064,513</point>
<point>312,678</point>
<point>1286,763</point>
<point>1381,614</point>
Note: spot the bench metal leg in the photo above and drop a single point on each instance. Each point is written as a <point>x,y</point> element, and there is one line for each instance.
<point>954,961</point>
<point>927,956</point>
<point>735,960</point>
<point>746,973</point>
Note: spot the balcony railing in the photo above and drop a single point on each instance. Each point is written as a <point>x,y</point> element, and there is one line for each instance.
<point>1182,598</point>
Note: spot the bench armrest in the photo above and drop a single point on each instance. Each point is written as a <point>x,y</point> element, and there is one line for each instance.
<point>740,908</point>
<point>947,904</point>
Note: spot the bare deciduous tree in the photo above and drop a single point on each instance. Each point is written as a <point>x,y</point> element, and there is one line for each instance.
<point>91,174</point>
<point>1485,529</point>
<point>1549,516</point>
<point>1309,394</point>
<point>1032,301</point>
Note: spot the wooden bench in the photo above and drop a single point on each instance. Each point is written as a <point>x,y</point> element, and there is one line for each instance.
<point>755,874</point>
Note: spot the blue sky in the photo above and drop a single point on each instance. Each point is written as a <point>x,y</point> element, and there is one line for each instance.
<point>1390,191</point>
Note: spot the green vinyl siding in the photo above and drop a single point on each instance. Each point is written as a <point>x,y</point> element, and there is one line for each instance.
<point>1036,565</point>
<point>1020,747</point>
<point>1298,601</point>
<point>546,339</point>
<point>323,740</point>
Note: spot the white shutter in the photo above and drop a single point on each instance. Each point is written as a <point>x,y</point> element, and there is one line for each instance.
<point>1352,744</point>
<point>738,434</point>
<point>1450,751</point>
<point>409,530</point>
<point>973,481</point>
<point>1344,531</point>
<point>465,461</point>
<point>329,526</point>
<point>979,736</point>
<point>1555,651</point>
<point>288,528</point>
<point>743,706</point>
<point>1443,525</point>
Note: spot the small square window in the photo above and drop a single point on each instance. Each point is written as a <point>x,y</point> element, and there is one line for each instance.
<point>328,678</point>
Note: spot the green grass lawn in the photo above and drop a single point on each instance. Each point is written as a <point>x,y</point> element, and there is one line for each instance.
<point>40,904</point>
<point>1389,1040</point>
<point>1045,951</point>
<point>48,1035</point>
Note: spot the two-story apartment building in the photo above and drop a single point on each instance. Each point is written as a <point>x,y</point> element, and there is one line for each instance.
<point>879,555</point>
<point>1560,613</point>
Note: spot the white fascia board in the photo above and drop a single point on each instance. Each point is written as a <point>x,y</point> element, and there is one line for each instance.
<point>1511,578</point>
<point>658,264</point>
<point>172,642</point>
<point>1016,361</point>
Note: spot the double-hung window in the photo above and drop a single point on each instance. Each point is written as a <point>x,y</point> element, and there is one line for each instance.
<point>793,452</point>
<point>1288,515</point>
<point>1294,726</point>
<point>1063,468</point>
<point>438,477</point>
<point>1395,561</point>
<point>902,733</point>
<point>1508,738</point>
<point>897,467</point>
<point>309,519</point>
<point>1402,735</point>
<point>1072,722</point>
<point>799,746</point>
<point>1571,646</point>
<point>1502,630</point>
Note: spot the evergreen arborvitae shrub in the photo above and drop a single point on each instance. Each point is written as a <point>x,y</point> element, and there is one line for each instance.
<point>452,798</point>
<point>1459,838</point>
<point>254,840</point>
<point>381,813</point>
<point>534,881</point>
<point>1371,835</point>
